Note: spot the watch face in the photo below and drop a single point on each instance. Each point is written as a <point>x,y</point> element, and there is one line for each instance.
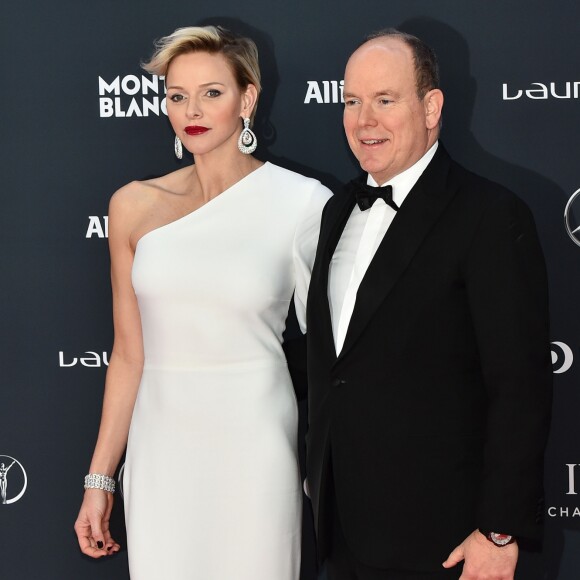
<point>500,539</point>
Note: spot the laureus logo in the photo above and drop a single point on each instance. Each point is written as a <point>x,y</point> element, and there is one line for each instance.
<point>572,217</point>
<point>13,480</point>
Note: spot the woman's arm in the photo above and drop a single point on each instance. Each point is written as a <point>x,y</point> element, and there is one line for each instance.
<point>122,380</point>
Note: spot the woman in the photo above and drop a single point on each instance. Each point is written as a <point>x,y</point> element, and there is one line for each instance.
<point>204,262</point>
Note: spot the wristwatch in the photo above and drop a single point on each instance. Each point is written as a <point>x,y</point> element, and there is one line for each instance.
<point>499,540</point>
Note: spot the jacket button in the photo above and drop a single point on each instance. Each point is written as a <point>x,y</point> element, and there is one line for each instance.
<point>338,382</point>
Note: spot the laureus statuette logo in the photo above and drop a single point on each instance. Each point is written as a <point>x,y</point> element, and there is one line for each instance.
<point>13,480</point>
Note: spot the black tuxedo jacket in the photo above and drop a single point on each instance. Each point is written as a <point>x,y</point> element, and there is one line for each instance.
<point>433,419</point>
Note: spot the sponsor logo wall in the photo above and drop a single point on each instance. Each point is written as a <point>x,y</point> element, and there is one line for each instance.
<point>80,119</point>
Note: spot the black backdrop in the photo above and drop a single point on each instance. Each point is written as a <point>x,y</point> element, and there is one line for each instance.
<point>78,120</point>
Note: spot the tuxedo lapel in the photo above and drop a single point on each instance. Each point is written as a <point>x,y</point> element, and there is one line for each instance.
<point>417,215</point>
<point>334,220</point>
<point>334,226</point>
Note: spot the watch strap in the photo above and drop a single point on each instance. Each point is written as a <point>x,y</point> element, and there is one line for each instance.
<point>498,539</point>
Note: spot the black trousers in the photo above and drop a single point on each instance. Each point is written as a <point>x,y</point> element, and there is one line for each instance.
<point>341,563</point>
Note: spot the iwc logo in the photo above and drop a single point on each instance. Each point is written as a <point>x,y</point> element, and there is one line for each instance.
<point>562,357</point>
<point>568,511</point>
<point>572,217</point>
<point>13,480</point>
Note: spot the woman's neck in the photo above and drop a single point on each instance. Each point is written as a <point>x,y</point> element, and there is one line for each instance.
<point>216,172</point>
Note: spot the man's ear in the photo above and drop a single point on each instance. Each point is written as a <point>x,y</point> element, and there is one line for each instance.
<point>433,103</point>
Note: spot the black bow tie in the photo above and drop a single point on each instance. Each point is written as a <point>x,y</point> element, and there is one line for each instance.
<point>366,195</point>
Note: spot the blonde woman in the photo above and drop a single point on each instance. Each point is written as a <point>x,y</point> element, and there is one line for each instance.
<point>204,263</point>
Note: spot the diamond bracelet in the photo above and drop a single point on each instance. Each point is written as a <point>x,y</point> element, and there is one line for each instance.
<point>98,481</point>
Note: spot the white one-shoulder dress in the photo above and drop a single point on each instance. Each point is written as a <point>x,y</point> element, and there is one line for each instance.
<point>211,481</point>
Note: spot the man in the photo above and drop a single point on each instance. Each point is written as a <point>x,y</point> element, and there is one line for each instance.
<point>428,348</point>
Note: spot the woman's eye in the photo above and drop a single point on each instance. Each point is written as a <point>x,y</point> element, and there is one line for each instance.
<point>213,93</point>
<point>177,98</point>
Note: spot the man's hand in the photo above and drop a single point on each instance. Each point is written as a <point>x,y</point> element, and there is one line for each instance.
<point>483,560</point>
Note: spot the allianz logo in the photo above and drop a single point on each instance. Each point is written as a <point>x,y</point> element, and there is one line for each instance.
<point>542,91</point>
<point>88,359</point>
<point>324,92</point>
<point>98,226</point>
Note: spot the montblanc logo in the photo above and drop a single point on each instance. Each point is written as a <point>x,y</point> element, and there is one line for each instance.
<point>562,357</point>
<point>89,359</point>
<point>543,91</point>
<point>572,217</point>
<point>568,511</point>
<point>324,92</point>
<point>13,480</point>
<point>132,96</point>
<point>98,226</point>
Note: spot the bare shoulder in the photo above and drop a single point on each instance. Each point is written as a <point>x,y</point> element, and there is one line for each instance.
<point>141,206</point>
<point>126,197</point>
<point>129,196</point>
<point>139,197</point>
<point>125,207</point>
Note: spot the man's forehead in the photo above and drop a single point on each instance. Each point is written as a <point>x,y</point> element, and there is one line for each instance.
<point>380,55</point>
<point>381,60</point>
<point>388,47</point>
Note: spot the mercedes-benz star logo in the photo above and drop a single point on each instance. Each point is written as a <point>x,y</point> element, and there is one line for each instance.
<point>572,217</point>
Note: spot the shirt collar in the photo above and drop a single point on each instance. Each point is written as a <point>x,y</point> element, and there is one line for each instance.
<point>404,182</point>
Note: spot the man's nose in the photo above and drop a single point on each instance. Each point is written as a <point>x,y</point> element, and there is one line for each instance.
<point>366,116</point>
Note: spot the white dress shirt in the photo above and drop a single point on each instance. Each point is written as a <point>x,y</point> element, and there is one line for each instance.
<point>360,239</point>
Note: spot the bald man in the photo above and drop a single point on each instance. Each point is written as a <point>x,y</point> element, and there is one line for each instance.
<point>428,346</point>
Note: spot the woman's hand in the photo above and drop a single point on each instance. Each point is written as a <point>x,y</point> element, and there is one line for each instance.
<point>92,525</point>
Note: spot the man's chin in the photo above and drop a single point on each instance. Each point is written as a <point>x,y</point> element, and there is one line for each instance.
<point>372,166</point>
<point>380,175</point>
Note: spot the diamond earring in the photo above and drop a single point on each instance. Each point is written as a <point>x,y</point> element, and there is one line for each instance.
<point>247,141</point>
<point>178,148</point>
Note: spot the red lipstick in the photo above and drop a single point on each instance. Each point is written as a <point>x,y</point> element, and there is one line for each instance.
<point>196,130</point>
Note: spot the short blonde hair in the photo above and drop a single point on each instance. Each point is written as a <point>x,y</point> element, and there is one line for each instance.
<point>240,53</point>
